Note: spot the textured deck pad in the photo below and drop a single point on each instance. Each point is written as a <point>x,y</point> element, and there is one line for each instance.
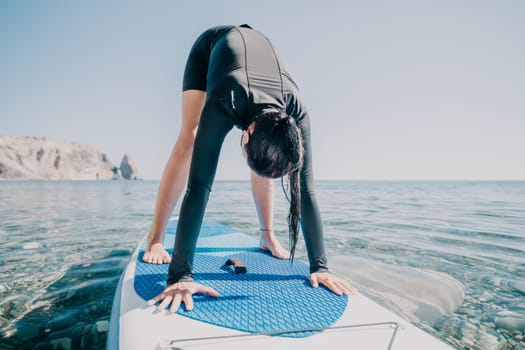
<point>273,296</point>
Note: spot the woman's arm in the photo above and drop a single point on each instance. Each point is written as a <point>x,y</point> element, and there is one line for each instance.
<point>174,176</point>
<point>311,223</point>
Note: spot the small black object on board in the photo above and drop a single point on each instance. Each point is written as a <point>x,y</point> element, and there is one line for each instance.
<point>238,265</point>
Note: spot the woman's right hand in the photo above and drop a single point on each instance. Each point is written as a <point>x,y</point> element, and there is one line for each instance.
<point>156,254</point>
<point>181,292</point>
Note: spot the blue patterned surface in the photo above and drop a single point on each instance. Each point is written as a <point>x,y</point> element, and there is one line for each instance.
<point>208,228</point>
<point>273,296</point>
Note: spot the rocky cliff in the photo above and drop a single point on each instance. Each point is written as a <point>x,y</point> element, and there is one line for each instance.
<point>27,158</point>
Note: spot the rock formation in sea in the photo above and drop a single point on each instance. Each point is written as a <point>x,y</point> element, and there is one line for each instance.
<point>28,158</point>
<point>128,170</point>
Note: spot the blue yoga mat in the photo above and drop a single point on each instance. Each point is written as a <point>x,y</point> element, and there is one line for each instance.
<point>273,296</point>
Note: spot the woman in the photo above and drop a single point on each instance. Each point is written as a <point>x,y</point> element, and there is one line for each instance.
<point>234,77</point>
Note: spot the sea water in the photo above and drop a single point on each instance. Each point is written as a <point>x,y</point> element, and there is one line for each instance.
<point>448,256</point>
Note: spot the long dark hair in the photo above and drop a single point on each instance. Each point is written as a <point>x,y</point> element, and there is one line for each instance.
<point>274,149</point>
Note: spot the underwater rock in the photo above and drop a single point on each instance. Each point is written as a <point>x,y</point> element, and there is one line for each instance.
<point>469,312</point>
<point>119,252</point>
<point>487,341</point>
<point>92,338</point>
<point>466,335</point>
<point>60,322</point>
<point>86,290</point>
<point>102,326</point>
<point>510,321</point>
<point>73,332</point>
<point>14,306</point>
<point>61,343</point>
<point>43,346</point>
<point>31,245</point>
<point>27,331</point>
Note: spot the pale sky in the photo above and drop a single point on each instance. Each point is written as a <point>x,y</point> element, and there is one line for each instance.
<point>396,90</point>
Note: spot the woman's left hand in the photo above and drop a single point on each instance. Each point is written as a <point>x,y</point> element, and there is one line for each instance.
<point>333,283</point>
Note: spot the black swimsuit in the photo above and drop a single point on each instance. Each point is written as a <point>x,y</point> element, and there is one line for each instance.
<point>242,75</point>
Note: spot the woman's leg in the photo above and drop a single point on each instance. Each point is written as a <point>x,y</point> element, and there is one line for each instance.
<point>175,175</point>
<point>262,190</point>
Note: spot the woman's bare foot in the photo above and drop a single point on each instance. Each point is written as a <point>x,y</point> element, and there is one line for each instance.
<point>270,243</point>
<point>156,254</point>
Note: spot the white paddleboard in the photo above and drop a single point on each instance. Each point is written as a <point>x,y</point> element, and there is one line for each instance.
<point>271,306</point>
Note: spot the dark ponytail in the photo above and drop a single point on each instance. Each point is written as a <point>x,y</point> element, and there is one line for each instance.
<point>295,209</point>
<point>274,149</point>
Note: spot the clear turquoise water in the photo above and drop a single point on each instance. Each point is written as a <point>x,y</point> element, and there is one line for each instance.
<point>449,256</point>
